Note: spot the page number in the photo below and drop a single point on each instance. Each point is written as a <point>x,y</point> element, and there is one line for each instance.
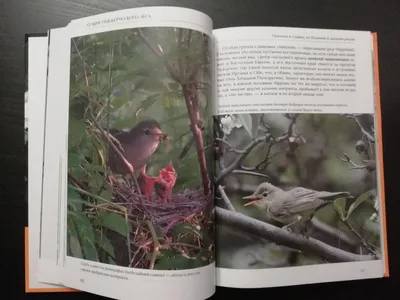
<point>82,280</point>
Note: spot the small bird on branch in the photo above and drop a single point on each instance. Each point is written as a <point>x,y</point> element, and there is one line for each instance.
<point>137,145</point>
<point>295,206</point>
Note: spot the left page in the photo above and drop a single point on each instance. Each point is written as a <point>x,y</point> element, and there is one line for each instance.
<point>34,136</point>
<point>128,128</point>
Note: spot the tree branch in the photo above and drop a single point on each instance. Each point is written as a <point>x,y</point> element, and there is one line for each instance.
<point>354,166</point>
<point>192,105</point>
<point>322,229</point>
<point>245,172</point>
<point>227,203</point>
<point>283,237</point>
<point>363,130</point>
<point>240,159</point>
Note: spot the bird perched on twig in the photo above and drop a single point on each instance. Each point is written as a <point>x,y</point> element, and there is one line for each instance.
<point>137,145</point>
<point>295,206</point>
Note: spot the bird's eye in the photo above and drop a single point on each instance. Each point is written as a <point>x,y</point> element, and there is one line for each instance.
<point>147,132</point>
<point>265,194</point>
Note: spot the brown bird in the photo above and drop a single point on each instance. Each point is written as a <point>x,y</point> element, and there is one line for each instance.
<point>294,206</point>
<point>137,145</point>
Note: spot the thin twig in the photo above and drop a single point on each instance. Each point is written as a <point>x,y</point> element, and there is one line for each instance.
<point>354,166</point>
<point>185,245</point>
<point>156,244</point>
<point>245,172</point>
<point>360,238</point>
<point>363,130</point>
<point>76,181</point>
<point>240,159</point>
<point>118,152</point>
<point>227,203</point>
<point>230,147</point>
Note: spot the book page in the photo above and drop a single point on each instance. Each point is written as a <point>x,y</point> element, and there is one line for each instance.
<point>298,191</point>
<point>134,126</point>
<point>35,105</point>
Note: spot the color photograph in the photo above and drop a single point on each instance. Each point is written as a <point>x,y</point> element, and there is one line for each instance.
<point>296,190</point>
<point>140,149</point>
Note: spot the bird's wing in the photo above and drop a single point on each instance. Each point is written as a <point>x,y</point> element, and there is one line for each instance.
<point>296,201</point>
<point>120,135</point>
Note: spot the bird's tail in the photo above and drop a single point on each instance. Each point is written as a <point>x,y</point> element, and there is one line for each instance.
<point>328,196</point>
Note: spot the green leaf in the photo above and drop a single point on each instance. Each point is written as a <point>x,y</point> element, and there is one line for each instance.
<point>88,89</point>
<point>85,235</point>
<point>74,199</point>
<point>148,102</point>
<point>186,148</point>
<point>96,182</point>
<point>111,261</point>
<point>177,263</point>
<point>89,249</point>
<point>359,200</point>
<point>153,84</point>
<point>104,243</point>
<point>76,250</point>
<point>74,245</point>
<point>340,207</point>
<point>83,226</point>
<point>106,194</point>
<point>115,222</point>
<point>173,85</point>
<point>247,122</point>
<point>77,131</point>
<point>75,159</point>
<point>182,228</point>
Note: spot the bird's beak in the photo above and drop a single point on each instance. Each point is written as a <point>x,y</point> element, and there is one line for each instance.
<point>254,199</point>
<point>251,203</point>
<point>164,137</point>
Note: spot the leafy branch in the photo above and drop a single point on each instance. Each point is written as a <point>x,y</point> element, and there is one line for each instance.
<point>344,217</point>
<point>189,84</point>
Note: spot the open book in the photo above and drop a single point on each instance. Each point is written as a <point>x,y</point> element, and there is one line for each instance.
<point>167,158</point>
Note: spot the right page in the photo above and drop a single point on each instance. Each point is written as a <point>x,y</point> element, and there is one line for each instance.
<point>299,172</point>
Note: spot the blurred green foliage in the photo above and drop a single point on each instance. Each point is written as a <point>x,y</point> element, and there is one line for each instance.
<point>116,79</point>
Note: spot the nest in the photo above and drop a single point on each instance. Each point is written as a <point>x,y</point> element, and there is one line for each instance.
<point>154,219</point>
<point>187,204</point>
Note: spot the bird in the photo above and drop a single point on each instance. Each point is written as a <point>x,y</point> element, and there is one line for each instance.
<point>137,145</point>
<point>165,182</point>
<point>295,206</point>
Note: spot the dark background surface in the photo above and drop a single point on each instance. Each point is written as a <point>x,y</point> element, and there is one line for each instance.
<point>18,17</point>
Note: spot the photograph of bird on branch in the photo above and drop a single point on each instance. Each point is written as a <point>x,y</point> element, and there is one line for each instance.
<point>295,190</point>
<point>140,149</point>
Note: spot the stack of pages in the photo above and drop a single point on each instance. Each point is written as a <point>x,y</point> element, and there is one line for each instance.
<point>167,157</point>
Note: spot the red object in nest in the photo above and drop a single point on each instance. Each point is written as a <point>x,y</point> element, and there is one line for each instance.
<point>166,180</point>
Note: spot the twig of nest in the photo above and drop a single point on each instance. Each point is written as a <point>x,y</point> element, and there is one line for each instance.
<point>165,215</point>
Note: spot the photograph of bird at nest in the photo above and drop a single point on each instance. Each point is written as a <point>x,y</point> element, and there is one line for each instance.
<point>140,146</point>
<point>295,190</point>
